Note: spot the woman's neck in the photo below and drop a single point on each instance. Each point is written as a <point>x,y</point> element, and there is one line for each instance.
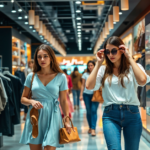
<point>46,70</point>
<point>117,64</point>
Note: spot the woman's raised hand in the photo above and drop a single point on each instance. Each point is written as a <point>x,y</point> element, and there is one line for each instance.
<point>100,55</point>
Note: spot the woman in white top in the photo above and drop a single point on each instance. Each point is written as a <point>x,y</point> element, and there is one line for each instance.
<point>91,107</point>
<point>119,79</point>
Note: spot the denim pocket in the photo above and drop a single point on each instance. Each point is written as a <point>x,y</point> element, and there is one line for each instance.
<point>133,109</point>
<point>107,109</point>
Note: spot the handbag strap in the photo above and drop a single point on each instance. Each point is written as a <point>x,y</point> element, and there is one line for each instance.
<point>70,121</point>
<point>32,80</point>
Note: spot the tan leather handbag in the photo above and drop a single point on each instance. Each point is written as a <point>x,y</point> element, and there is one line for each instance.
<point>66,138</point>
<point>97,96</point>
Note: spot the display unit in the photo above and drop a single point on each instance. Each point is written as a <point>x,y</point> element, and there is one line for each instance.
<point>21,54</point>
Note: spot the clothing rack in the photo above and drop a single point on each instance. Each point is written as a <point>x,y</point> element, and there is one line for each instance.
<point>1,136</point>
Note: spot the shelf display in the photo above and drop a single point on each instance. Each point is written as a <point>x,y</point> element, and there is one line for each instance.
<point>20,54</point>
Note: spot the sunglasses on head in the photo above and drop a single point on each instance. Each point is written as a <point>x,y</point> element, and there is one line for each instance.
<point>113,51</point>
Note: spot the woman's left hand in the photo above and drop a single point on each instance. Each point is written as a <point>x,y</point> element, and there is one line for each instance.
<point>68,127</point>
<point>125,51</point>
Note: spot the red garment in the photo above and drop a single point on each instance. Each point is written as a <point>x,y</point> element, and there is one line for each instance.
<point>69,82</point>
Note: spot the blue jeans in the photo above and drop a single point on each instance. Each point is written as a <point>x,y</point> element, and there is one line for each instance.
<point>76,95</point>
<point>127,118</point>
<point>91,110</point>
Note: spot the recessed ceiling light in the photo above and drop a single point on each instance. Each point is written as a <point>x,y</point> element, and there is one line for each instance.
<point>120,13</point>
<point>34,30</point>
<point>79,23</point>
<point>1,5</point>
<point>78,18</point>
<point>79,29</point>
<point>68,31</point>
<point>20,10</point>
<point>26,16</point>
<point>79,35</point>
<point>78,11</point>
<point>26,23</point>
<point>30,27</point>
<point>78,2</point>
<point>114,22</point>
<point>78,26</point>
<point>45,41</point>
<point>79,32</point>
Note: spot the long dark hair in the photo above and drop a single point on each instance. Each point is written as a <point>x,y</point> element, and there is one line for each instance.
<point>90,61</point>
<point>124,65</point>
<point>53,65</point>
<point>65,71</point>
<point>73,74</point>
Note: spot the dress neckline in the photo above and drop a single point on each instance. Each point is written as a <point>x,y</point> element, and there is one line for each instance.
<point>48,82</point>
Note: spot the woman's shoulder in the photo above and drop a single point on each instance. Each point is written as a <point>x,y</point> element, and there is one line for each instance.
<point>62,75</point>
<point>30,75</point>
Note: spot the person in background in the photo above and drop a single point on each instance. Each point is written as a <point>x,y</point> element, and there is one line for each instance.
<point>68,92</point>
<point>30,67</point>
<point>86,95</point>
<point>76,80</point>
<point>27,71</point>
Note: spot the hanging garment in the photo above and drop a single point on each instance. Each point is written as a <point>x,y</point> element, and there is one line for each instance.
<point>3,96</point>
<point>20,75</point>
<point>6,124</point>
<point>17,88</point>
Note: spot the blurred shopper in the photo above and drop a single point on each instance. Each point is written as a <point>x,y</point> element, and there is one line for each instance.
<point>68,92</point>
<point>119,78</point>
<point>49,83</point>
<point>27,71</point>
<point>86,95</point>
<point>76,80</point>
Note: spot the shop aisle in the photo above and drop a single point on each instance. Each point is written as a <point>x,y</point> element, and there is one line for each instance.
<point>88,142</point>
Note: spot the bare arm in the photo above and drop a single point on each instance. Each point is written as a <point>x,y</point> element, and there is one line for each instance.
<point>27,102</point>
<point>64,103</point>
<point>82,89</point>
<point>139,74</point>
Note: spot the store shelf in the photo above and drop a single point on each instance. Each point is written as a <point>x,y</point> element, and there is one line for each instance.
<point>15,48</point>
<point>22,51</point>
<point>17,57</point>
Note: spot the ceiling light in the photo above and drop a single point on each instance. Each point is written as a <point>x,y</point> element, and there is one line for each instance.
<point>26,16</point>
<point>1,5</point>
<point>19,17</point>
<point>20,10</point>
<point>79,29</point>
<point>68,31</point>
<point>87,31</point>
<point>78,11</point>
<point>78,18</point>
<point>45,41</point>
<point>79,32</point>
<point>26,23</point>
<point>86,38</point>
<point>79,35</point>
<point>120,13</point>
<point>114,22</point>
<point>78,2</point>
<point>78,26</point>
<point>41,36</point>
<point>12,1</point>
<point>34,30</point>
<point>79,23</point>
<point>13,9</point>
<point>30,27</point>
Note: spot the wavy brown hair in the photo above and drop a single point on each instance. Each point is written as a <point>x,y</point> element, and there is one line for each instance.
<point>53,64</point>
<point>124,65</point>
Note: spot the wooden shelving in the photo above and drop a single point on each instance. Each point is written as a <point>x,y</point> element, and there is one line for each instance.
<point>22,51</point>
<point>14,56</point>
<point>15,48</point>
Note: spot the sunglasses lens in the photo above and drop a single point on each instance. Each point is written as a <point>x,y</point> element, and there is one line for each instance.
<point>107,52</point>
<point>114,51</point>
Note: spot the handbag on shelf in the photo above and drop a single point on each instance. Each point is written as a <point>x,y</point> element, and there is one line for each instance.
<point>97,96</point>
<point>66,138</point>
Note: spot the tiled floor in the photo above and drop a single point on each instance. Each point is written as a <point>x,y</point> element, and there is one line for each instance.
<point>87,143</point>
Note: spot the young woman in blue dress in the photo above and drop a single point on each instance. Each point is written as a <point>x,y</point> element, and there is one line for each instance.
<point>119,78</point>
<point>49,83</point>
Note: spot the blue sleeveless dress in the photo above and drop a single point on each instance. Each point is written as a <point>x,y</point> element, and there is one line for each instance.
<point>50,120</point>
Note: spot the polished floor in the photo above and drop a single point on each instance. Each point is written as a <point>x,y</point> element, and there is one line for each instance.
<point>87,143</point>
